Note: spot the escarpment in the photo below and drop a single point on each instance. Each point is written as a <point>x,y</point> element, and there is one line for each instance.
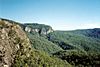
<point>38,28</point>
<point>12,39</point>
<point>16,50</point>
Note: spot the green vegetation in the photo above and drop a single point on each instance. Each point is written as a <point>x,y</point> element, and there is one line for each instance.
<point>74,40</point>
<point>94,33</point>
<point>78,48</point>
<point>37,26</point>
<point>28,57</point>
<point>82,47</point>
<point>38,59</point>
<point>79,58</point>
<point>42,44</point>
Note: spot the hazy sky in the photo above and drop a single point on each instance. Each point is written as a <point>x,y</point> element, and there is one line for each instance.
<point>60,14</point>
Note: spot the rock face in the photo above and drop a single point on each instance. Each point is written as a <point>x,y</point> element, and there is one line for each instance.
<point>38,28</point>
<point>45,32</point>
<point>41,31</point>
<point>16,50</point>
<point>12,37</point>
<point>27,29</point>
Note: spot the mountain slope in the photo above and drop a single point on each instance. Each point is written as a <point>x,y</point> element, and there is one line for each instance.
<point>81,47</point>
<point>16,50</point>
<point>37,33</point>
<point>40,43</point>
<point>79,58</point>
<point>36,45</point>
<point>12,38</point>
<point>95,33</point>
<point>77,40</point>
<point>38,28</point>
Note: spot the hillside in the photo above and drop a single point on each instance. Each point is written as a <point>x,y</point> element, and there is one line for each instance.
<point>38,45</point>
<point>87,40</point>
<point>16,50</point>
<point>38,28</point>
<point>95,33</point>
<point>37,36</point>
<point>81,47</point>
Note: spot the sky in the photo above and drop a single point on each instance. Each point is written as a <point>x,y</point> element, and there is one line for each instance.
<point>60,14</point>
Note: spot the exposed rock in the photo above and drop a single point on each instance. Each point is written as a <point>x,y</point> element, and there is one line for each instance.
<point>6,66</point>
<point>50,30</point>
<point>0,19</point>
<point>12,37</point>
<point>27,29</point>
<point>38,28</point>
<point>43,31</point>
<point>35,30</point>
<point>16,50</point>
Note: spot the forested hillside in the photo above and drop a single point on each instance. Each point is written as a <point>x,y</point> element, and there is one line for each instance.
<point>16,49</point>
<point>38,45</point>
<point>87,40</point>
<point>81,47</point>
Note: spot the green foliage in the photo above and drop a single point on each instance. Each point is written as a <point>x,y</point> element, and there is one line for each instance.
<point>79,58</point>
<point>37,59</point>
<point>95,33</point>
<point>75,40</point>
<point>40,43</point>
<point>37,26</point>
<point>28,57</point>
<point>80,48</point>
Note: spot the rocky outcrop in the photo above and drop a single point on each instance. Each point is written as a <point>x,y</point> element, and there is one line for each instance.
<point>16,50</point>
<point>27,29</point>
<point>12,38</point>
<point>50,30</point>
<point>43,30</point>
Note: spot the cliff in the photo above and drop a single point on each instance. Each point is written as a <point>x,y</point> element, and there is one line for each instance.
<point>39,28</point>
<point>16,50</point>
<point>12,39</point>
